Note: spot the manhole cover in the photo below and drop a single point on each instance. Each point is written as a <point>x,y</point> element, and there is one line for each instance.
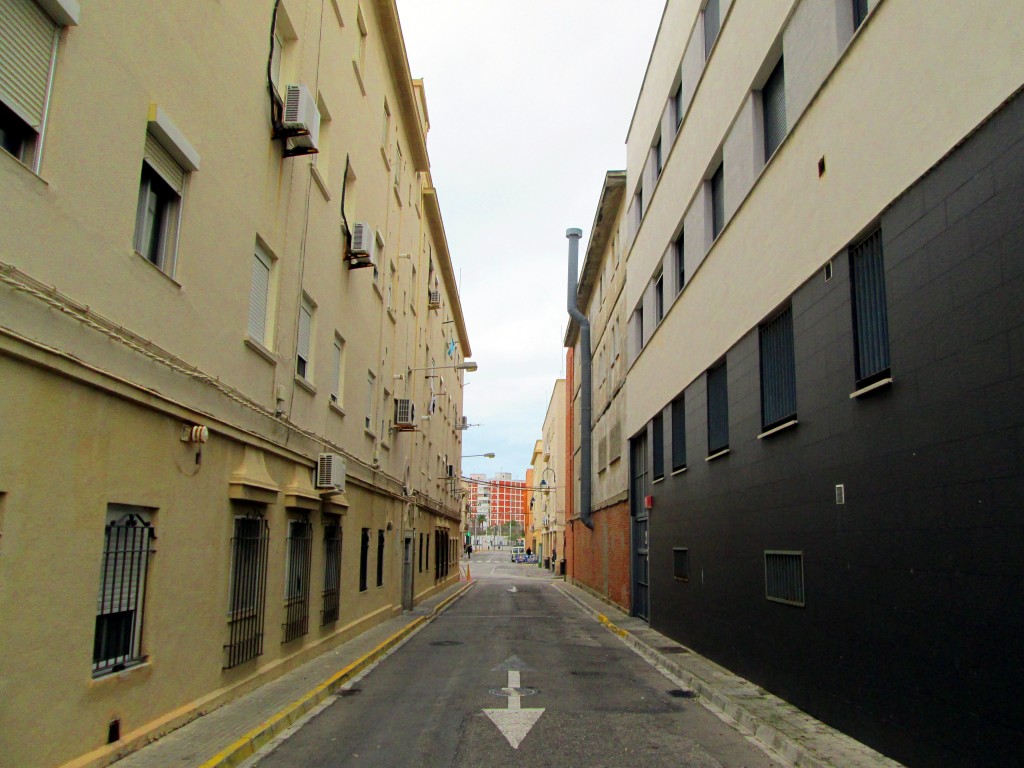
<point>672,649</point>
<point>510,691</point>
<point>679,693</point>
<point>446,643</point>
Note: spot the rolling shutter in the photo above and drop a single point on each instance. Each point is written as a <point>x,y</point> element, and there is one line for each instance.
<point>774,98</point>
<point>305,321</point>
<point>28,37</point>
<point>259,290</point>
<point>160,160</point>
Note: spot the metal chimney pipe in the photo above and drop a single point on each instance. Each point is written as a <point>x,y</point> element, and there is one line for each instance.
<point>586,406</point>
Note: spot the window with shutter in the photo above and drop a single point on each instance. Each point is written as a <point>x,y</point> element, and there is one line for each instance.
<point>718,202</point>
<point>778,370</point>
<point>712,23</point>
<point>718,410</point>
<point>259,295</point>
<point>658,437</point>
<point>305,329</point>
<point>870,315</point>
<point>160,191</point>
<point>679,433</point>
<point>773,97</point>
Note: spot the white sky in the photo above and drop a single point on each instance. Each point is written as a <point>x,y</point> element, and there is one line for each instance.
<point>529,104</point>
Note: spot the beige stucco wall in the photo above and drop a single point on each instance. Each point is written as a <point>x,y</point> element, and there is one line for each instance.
<point>877,132</point>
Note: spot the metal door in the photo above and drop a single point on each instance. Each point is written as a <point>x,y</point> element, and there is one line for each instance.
<point>638,490</point>
<point>407,572</point>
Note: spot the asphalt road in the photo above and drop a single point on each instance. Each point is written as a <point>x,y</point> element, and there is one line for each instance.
<point>513,674</point>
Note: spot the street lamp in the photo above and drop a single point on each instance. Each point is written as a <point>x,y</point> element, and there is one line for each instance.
<point>469,365</point>
<point>478,455</point>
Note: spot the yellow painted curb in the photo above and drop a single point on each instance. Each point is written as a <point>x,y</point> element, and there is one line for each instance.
<point>254,740</point>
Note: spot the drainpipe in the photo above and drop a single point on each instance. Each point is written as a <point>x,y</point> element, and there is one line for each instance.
<point>586,407</point>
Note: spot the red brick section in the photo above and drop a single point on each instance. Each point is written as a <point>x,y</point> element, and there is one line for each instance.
<point>599,559</point>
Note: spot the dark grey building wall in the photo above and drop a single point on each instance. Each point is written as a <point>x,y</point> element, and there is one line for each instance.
<point>912,636</point>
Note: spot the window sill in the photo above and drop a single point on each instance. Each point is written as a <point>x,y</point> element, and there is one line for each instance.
<point>391,315</point>
<point>159,270</point>
<point>379,294</point>
<point>718,454</point>
<point>398,196</point>
<point>336,408</point>
<point>105,678</point>
<point>261,350</point>
<point>320,181</point>
<point>303,382</point>
<point>370,433</point>
<point>659,479</point>
<point>678,471</point>
<point>359,77</point>
<point>881,384</point>
<point>384,157</point>
<point>776,430</point>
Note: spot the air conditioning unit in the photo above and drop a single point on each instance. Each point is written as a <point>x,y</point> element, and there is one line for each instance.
<point>330,471</point>
<point>405,413</point>
<point>434,300</point>
<point>464,423</point>
<point>362,239</point>
<point>301,114</point>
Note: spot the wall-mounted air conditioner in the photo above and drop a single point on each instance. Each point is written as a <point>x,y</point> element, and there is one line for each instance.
<point>362,239</point>
<point>301,115</point>
<point>405,413</point>
<point>434,300</point>
<point>330,471</point>
<point>464,423</point>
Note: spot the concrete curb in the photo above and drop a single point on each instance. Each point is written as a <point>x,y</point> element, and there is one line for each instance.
<point>260,736</point>
<point>848,752</point>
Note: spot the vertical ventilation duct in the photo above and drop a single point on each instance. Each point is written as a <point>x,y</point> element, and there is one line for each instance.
<point>574,236</point>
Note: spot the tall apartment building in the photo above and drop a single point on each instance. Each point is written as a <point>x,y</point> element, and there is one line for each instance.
<point>217,348</point>
<point>598,559</point>
<point>499,499</point>
<point>825,280</point>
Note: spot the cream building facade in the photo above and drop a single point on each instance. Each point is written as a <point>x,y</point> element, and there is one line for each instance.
<point>232,368</point>
<point>549,478</point>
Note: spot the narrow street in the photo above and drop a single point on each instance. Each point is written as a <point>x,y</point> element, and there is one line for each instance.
<point>514,673</point>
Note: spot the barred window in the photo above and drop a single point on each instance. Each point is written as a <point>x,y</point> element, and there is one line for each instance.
<point>679,433</point>
<point>380,558</point>
<point>658,436</point>
<point>778,370</point>
<point>718,409</point>
<point>127,544</point>
<point>332,571</point>
<point>870,316</point>
<point>364,557</point>
<point>249,549</point>
<point>296,597</point>
<point>784,577</point>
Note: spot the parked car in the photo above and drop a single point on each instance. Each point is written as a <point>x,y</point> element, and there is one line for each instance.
<point>518,551</point>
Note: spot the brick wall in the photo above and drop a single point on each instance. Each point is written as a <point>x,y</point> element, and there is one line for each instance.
<point>599,560</point>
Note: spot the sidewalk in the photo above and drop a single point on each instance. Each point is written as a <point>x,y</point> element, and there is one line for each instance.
<point>794,735</point>
<point>228,735</point>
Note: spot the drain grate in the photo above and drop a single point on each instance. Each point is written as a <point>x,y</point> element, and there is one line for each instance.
<point>446,643</point>
<point>679,693</point>
<point>580,673</point>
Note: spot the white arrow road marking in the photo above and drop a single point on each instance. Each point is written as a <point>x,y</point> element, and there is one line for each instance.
<point>514,723</point>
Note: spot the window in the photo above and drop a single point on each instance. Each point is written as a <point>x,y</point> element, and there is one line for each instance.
<point>870,317</point>
<point>296,593</point>
<point>385,136</point>
<point>361,61</point>
<point>276,54</point>
<point>638,324</point>
<point>28,46</point>
<point>371,383</point>
<point>364,556</point>
<point>679,433</point>
<point>784,577</point>
<point>773,99</point>
<point>249,548</point>
<point>677,104</point>
<point>338,367</point>
<point>658,163</point>
<point>778,370</point>
<point>712,24</point>
<point>302,367</point>
<point>398,165</point>
<point>156,218</point>
<point>718,202</point>
<point>332,571</point>
<point>380,558</point>
<point>681,564</point>
<point>680,256</point>
<point>127,544</point>
<point>860,12</point>
<point>420,556</point>
<point>638,205</point>
<point>658,436</point>
<point>718,410</point>
<point>659,298</point>
<point>259,296</point>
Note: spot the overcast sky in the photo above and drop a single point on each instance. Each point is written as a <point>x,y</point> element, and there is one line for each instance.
<point>529,104</point>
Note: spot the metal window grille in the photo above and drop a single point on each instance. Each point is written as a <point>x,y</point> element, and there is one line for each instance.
<point>127,545</point>
<point>332,574</point>
<point>658,436</point>
<point>778,370</point>
<point>860,12</point>
<point>296,598</point>
<point>681,563</point>
<point>364,556</point>
<point>870,316</point>
<point>712,23</point>
<point>784,577</point>
<point>639,460</point>
<point>773,97</point>
<point>679,433</point>
<point>718,202</point>
<point>380,558</point>
<point>249,549</point>
<point>718,409</point>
